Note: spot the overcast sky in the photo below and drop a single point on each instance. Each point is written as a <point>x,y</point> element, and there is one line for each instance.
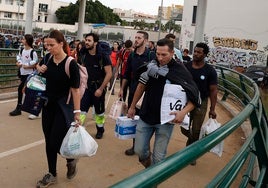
<point>145,6</point>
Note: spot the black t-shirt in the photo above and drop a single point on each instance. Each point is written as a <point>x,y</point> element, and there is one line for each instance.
<point>203,77</point>
<point>135,61</point>
<point>57,81</point>
<point>151,105</point>
<point>186,59</point>
<point>95,66</point>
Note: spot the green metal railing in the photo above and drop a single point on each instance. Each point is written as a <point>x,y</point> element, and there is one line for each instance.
<point>8,68</point>
<point>233,86</point>
<point>245,92</point>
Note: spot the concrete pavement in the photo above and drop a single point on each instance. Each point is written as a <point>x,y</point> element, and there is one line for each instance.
<point>23,161</point>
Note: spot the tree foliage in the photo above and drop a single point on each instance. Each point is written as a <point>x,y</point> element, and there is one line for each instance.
<point>170,26</point>
<point>95,13</point>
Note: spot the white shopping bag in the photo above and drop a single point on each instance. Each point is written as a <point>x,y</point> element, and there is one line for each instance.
<point>207,128</point>
<point>139,103</point>
<point>78,143</point>
<point>36,82</point>
<point>174,98</point>
<point>119,108</point>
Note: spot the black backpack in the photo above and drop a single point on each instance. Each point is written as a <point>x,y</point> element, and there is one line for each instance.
<point>31,53</point>
<point>103,49</point>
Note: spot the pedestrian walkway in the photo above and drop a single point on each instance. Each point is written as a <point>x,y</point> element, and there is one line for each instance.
<point>23,161</point>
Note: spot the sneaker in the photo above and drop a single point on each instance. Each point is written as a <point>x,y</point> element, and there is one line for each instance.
<point>47,180</point>
<point>32,117</point>
<point>71,169</point>
<point>130,151</point>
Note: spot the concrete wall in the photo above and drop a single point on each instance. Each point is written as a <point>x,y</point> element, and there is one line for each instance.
<point>236,31</point>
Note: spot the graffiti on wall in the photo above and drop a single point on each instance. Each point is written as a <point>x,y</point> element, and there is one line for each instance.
<point>245,44</point>
<point>236,52</point>
<point>231,57</point>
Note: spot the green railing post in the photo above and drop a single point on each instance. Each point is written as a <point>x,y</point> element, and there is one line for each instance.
<point>225,95</point>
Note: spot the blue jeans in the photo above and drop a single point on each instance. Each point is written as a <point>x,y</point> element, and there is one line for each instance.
<point>144,133</point>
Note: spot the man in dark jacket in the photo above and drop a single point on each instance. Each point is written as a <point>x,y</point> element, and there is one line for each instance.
<point>136,59</point>
<point>153,82</point>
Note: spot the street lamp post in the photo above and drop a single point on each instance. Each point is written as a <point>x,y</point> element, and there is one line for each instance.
<point>160,19</point>
<point>18,20</point>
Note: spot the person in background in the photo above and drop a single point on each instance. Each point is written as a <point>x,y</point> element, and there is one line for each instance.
<point>44,50</point>
<point>177,54</point>
<point>2,41</point>
<point>57,114</point>
<point>122,64</point>
<point>205,77</point>
<point>186,58</point>
<point>8,42</point>
<point>80,45</point>
<point>99,70</point>
<point>73,46</point>
<point>44,57</point>
<point>151,46</point>
<point>136,59</point>
<point>164,70</point>
<point>114,59</point>
<point>26,63</point>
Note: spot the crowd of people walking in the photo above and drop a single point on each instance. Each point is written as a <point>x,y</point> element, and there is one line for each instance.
<point>145,69</point>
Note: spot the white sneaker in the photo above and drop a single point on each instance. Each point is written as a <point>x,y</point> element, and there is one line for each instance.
<point>32,117</point>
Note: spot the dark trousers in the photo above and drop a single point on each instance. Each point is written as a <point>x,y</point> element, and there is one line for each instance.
<point>54,129</point>
<point>125,89</point>
<point>89,99</point>
<point>23,79</point>
<point>197,117</point>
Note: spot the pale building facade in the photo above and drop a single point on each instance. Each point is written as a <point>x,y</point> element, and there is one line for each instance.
<point>43,11</point>
<point>236,31</point>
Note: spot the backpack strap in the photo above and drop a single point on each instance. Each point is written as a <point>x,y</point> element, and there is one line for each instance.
<point>31,54</point>
<point>67,70</point>
<point>67,65</point>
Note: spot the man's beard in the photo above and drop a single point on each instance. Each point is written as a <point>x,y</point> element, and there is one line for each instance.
<point>139,45</point>
<point>89,47</point>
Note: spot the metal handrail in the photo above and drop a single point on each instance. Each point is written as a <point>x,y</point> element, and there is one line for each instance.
<point>255,146</point>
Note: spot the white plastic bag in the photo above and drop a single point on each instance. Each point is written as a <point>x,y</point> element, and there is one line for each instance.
<point>139,103</point>
<point>119,108</point>
<point>36,82</point>
<point>174,98</point>
<point>78,143</point>
<point>207,128</point>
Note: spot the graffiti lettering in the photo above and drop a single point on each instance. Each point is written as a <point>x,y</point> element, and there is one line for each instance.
<point>246,44</point>
<point>231,57</point>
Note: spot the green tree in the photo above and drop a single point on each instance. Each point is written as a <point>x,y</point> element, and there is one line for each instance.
<point>95,13</point>
<point>171,27</point>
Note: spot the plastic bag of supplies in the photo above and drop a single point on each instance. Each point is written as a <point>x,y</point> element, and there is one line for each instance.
<point>119,108</point>
<point>125,127</point>
<point>207,128</point>
<point>78,143</point>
